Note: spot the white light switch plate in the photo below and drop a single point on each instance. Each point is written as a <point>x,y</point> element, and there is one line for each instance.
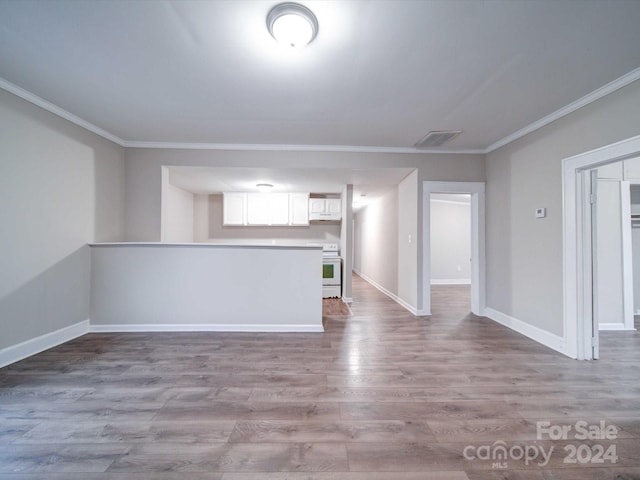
<point>541,212</point>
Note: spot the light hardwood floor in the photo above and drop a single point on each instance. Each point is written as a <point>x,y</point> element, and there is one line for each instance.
<point>382,395</point>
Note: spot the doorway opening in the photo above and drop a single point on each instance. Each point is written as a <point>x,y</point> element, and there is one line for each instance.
<point>612,248</point>
<point>580,233</point>
<point>476,259</point>
<point>451,250</point>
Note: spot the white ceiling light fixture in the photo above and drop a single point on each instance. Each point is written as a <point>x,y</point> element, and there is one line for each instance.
<point>264,187</point>
<point>292,24</point>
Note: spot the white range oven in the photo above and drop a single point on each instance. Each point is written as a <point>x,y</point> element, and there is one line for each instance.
<point>331,271</point>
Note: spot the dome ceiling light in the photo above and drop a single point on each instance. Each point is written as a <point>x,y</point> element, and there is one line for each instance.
<point>292,24</point>
<point>264,187</point>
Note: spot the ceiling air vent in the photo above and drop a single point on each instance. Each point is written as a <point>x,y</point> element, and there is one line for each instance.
<point>437,139</point>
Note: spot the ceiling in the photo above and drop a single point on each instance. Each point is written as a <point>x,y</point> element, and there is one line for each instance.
<point>368,184</point>
<point>380,74</point>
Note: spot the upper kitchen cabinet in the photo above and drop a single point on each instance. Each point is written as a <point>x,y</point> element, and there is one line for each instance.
<point>234,208</point>
<point>325,209</point>
<point>299,209</point>
<point>265,209</point>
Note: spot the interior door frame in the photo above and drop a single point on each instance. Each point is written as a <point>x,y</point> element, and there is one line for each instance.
<point>577,261</point>
<point>478,276</point>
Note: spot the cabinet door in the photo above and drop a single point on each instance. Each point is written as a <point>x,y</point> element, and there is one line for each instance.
<point>234,208</point>
<point>279,208</point>
<point>317,205</point>
<point>334,206</point>
<point>299,209</point>
<point>258,211</point>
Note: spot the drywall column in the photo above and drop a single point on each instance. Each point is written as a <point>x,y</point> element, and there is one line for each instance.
<point>177,211</point>
<point>346,241</point>
<point>408,241</point>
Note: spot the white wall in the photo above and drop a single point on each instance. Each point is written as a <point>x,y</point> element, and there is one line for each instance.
<point>346,241</point>
<point>524,254</point>
<point>376,241</point>
<point>61,187</point>
<point>177,212</point>
<point>450,241</point>
<point>208,228</point>
<point>635,247</point>
<point>408,239</point>
<point>205,287</point>
<point>143,178</point>
<point>609,279</point>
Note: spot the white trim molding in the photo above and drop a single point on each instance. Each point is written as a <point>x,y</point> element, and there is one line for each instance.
<point>61,112</point>
<point>450,281</point>
<point>577,285</point>
<point>213,327</point>
<point>547,339</point>
<point>413,310</point>
<point>617,327</point>
<point>267,147</point>
<point>30,347</point>
<point>611,87</point>
<point>597,94</point>
<point>627,255</point>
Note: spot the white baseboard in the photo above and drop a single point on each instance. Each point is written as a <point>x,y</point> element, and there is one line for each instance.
<point>451,281</point>
<point>604,327</point>
<point>391,295</point>
<point>347,299</point>
<point>44,342</point>
<point>547,339</point>
<point>222,327</point>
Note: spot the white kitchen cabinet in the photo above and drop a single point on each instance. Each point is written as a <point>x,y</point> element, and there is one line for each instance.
<point>334,206</point>
<point>267,209</point>
<point>325,209</point>
<point>279,206</point>
<point>234,208</point>
<point>299,209</point>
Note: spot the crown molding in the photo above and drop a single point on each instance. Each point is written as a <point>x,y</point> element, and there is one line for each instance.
<point>50,107</point>
<point>603,91</point>
<point>292,148</point>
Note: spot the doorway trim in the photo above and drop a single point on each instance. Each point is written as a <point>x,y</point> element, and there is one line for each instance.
<point>476,190</point>
<point>576,246</point>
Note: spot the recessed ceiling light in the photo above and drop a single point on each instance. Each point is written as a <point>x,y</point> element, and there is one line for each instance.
<point>292,24</point>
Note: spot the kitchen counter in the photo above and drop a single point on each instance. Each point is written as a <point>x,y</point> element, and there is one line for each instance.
<point>275,246</point>
<point>152,286</point>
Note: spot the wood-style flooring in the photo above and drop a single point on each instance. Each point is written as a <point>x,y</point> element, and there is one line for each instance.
<point>381,395</point>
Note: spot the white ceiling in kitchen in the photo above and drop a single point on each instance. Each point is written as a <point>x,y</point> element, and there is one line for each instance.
<point>371,182</point>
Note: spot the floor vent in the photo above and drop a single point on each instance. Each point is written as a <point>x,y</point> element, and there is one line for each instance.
<point>437,139</point>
